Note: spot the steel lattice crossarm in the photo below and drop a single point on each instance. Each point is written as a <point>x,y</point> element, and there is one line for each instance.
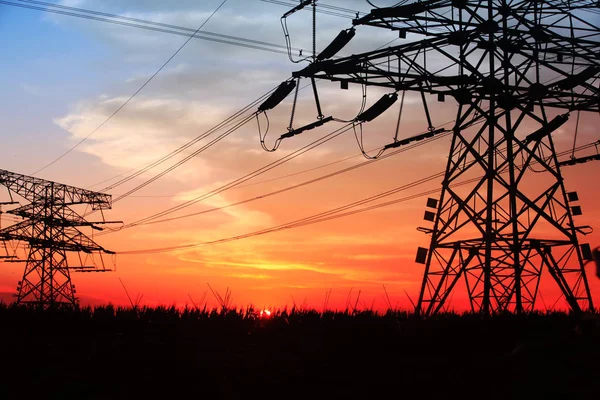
<point>64,216</point>
<point>516,70</point>
<point>450,60</point>
<point>32,188</point>
<point>31,231</point>
<point>435,16</point>
<point>51,230</point>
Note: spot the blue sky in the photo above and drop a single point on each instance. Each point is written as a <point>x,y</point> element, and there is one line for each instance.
<point>62,76</point>
<point>57,64</point>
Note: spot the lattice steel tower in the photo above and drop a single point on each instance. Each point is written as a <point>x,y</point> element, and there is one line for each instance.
<point>50,229</point>
<point>516,71</point>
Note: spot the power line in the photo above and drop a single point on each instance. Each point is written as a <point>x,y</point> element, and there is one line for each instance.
<point>175,152</point>
<point>195,153</point>
<point>321,217</point>
<point>311,181</point>
<point>243,179</point>
<point>184,160</point>
<point>335,213</point>
<point>161,175</point>
<point>148,22</point>
<point>222,124</point>
<point>219,190</point>
<point>163,27</point>
<point>283,190</point>
<point>227,121</point>
<point>134,94</point>
<point>138,171</point>
<point>247,177</point>
<point>238,181</point>
<point>304,171</point>
<point>153,26</point>
<point>196,35</point>
<point>238,125</point>
<point>300,172</point>
<point>267,180</point>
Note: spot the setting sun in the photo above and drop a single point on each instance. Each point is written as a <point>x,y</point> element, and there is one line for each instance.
<point>325,199</point>
<point>196,200</point>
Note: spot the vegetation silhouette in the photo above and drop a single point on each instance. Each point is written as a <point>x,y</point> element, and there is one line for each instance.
<point>192,352</point>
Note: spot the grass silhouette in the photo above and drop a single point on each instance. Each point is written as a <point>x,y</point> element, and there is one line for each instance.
<point>193,352</point>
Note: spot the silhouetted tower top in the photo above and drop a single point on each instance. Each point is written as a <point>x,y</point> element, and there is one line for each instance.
<point>514,71</point>
<point>50,229</point>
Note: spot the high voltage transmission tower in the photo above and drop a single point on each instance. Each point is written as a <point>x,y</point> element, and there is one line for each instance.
<point>515,71</point>
<point>50,229</point>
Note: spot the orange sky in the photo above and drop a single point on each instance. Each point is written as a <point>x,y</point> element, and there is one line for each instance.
<point>362,252</point>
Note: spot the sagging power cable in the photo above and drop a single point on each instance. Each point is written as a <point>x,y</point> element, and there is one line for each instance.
<point>338,212</point>
<point>286,33</point>
<point>232,120</point>
<point>185,159</point>
<point>133,95</point>
<point>334,213</point>
<point>149,25</point>
<point>289,188</point>
<point>247,177</point>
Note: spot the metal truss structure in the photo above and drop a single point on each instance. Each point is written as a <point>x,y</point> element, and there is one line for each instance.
<point>50,229</point>
<point>516,71</point>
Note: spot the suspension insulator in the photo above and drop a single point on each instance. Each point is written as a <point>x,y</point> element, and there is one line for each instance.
<point>308,127</point>
<point>341,40</point>
<point>378,108</point>
<point>547,129</point>
<point>417,138</point>
<point>278,95</point>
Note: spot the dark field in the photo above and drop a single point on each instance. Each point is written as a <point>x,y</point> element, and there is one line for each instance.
<point>114,353</point>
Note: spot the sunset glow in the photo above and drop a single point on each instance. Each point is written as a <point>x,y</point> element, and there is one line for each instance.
<point>301,234</point>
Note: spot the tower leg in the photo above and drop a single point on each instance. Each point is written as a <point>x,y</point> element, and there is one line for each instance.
<point>502,219</point>
<point>47,280</point>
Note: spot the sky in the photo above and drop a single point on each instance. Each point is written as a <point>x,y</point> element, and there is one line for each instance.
<point>63,76</point>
